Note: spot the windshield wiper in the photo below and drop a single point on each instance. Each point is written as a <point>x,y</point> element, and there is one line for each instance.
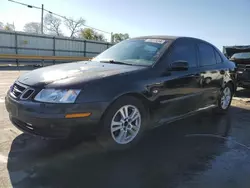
<point>115,62</point>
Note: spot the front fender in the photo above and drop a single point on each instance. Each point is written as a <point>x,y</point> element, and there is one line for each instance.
<point>111,89</point>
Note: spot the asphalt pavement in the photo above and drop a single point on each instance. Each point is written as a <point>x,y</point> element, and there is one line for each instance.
<point>205,150</point>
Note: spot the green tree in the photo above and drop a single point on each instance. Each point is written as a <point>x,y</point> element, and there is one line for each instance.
<point>9,27</point>
<point>118,37</point>
<point>90,34</point>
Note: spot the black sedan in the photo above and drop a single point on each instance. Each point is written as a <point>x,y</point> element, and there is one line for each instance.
<point>135,85</point>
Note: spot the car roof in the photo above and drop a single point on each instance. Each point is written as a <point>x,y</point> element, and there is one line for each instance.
<point>172,38</point>
<point>168,37</point>
<point>157,37</point>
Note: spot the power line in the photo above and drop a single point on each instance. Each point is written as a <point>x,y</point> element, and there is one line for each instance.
<point>64,17</point>
<point>29,6</point>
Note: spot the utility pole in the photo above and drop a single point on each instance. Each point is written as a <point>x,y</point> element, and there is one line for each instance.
<point>112,39</point>
<point>42,21</point>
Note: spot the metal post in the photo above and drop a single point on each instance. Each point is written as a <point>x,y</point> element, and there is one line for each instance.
<point>112,39</point>
<point>54,49</point>
<point>42,21</point>
<point>16,49</point>
<point>84,48</point>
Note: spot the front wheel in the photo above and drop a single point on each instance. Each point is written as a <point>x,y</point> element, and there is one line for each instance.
<point>123,123</point>
<point>225,98</point>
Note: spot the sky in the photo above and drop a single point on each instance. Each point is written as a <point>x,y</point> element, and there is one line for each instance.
<point>221,22</point>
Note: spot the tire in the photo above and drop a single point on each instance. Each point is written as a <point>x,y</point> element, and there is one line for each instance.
<point>222,108</point>
<point>113,140</point>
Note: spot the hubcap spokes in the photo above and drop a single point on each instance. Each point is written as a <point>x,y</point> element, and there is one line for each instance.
<point>125,124</point>
<point>226,98</point>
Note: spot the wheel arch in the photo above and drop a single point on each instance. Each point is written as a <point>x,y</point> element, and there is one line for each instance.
<point>146,103</point>
<point>234,86</point>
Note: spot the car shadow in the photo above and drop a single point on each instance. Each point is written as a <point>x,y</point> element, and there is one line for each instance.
<point>243,93</point>
<point>165,157</point>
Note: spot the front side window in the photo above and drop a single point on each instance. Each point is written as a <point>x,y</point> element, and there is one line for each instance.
<point>183,50</point>
<point>206,53</point>
<point>134,52</point>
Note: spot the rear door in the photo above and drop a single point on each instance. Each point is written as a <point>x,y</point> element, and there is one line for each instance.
<point>180,89</point>
<point>212,72</point>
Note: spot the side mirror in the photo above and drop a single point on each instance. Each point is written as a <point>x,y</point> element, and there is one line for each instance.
<point>179,66</point>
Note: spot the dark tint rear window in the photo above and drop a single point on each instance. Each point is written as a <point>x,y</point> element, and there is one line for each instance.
<point>206,54</point>
<point>218,57</point>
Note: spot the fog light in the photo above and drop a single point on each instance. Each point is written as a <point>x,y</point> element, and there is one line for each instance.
<point>78,115</point>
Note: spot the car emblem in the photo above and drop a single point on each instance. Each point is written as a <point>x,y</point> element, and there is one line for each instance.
<point>155,91</point>
<point>26,78</point>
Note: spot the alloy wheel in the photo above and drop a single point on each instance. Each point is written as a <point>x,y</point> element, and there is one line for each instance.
<point>125,124</point>
<point>226,98</point>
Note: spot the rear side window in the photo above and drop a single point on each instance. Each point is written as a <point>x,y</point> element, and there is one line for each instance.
<point>184,50</point>
<point>206,54</point>
<point>217,57</point>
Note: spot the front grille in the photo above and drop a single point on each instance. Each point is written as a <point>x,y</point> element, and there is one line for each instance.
<point>16,90</point>
<point>27,94</point>
<point>21,91</point>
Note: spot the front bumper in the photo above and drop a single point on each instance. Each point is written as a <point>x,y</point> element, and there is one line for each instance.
<point>243,78</point>
<point>48,120</point>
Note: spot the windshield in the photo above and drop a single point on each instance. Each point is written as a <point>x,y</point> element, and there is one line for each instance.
<point>244,55</point>
<point>134,52</point>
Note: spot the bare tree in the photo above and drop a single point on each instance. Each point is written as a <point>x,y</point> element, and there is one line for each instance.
<point>99,37</point>
<point>32,27</point>
<point>74,25</point>
<point>1,26</point>
<point>52,25</point>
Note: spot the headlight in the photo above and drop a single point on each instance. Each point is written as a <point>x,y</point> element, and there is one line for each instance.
<point>57,95</point>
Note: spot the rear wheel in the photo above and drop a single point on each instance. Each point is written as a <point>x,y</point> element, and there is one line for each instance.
<point>225,98</point>
<point>123,123</point>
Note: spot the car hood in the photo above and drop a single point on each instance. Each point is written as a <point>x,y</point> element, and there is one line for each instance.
<point>73,74</point>
<point>240,61</point>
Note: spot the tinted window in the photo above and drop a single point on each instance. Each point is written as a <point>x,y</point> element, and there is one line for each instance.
<point>207,55</point>
<point>184,50</point>
<point>218,57</point>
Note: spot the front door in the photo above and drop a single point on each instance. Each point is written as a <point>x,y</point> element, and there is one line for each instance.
<point>180,90</point>
<point>212,73</point>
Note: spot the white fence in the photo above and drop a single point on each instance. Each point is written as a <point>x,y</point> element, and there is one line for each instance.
<point>45,45</point>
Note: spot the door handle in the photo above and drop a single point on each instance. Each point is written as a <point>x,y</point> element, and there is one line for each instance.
<point>222,72</point>
<point>195,75</point>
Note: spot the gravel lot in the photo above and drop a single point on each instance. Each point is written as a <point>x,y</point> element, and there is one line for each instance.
<point>205,150</point>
